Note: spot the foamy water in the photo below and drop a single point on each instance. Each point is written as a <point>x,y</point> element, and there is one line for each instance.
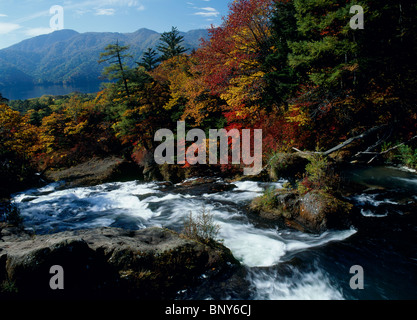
<point>139,205</point>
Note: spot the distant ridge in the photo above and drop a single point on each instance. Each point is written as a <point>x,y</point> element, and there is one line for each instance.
<point>66,56</point>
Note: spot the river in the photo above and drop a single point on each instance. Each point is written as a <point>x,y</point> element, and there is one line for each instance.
<point>281,263</point>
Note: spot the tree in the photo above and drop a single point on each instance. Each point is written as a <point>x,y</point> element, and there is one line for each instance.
<point>114,54</point>
<point>19,142</point>
<point>171,44</point>
<point>3,99</point>
<point>231,60</point>
<point>281,79</point>
<point>149,60</point>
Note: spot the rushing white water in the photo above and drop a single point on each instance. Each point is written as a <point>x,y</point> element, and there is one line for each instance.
<point>299,286</point>
<point>139,205</point>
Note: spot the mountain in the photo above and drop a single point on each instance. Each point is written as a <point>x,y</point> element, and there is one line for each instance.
<point>66,56</point>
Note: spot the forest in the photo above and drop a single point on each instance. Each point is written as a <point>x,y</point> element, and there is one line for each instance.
<point>293,68</point>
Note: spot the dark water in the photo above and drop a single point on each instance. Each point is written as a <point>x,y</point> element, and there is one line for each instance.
<point>279,263</point>
<point>36,91</point>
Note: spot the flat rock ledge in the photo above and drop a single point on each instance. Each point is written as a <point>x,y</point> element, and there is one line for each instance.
<point>107,263</point>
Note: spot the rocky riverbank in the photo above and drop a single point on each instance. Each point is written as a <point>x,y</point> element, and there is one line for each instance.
<point>96,171</point>
<point>153,263</point>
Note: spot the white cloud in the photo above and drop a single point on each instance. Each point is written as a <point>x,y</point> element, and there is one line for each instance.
<point>105,12</point>
<point>2,15</point>
<point>99,6</point>
<point>207,12</point>
<point>6,28</point>
<point>33,32</point>
<point>122,3</point>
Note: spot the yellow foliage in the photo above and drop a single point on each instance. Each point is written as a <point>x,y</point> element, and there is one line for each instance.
<point>297,115</point>
<point>16,133</point>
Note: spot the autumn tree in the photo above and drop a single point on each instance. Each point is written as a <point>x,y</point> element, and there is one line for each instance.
<point>19,144</point>
<point>76,131</point>
<point>341,81</point>
<point>231,59</point>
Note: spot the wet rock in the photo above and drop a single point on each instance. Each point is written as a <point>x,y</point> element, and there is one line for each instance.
<point>314,212</point>
<point>152,263</point>
<point>204,185</point>
<point>97,171</point>
<point>320,211</point>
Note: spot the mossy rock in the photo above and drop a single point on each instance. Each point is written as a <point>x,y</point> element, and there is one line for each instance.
<point>320,211</point>
<point>313,212</point>
<point>153,263</point>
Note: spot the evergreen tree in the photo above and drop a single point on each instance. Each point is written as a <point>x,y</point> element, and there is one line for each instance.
<point>114,54</point>
<point>3,99</point>
<point>326,49</point>
<point>149,60</point>
<point>171,44</point>
<point>280,77</point>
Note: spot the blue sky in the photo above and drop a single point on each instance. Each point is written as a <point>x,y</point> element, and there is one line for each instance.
<point>23,19</point>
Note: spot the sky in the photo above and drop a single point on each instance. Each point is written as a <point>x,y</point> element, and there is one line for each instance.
<point>23,19</point>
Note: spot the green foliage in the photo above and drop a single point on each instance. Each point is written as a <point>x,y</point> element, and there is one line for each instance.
<point>171,44</point>
<point>319,176</point>
<point>298,72</point>
<point>116,55</point>
<point>149,60</point>
<point>408,156</point>
<point>202,227</point>
<point>268,199</point>
<point>8,287</point>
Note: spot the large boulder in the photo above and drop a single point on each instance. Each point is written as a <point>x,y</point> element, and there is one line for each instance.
<point>152,263</point>
<point>96,171</point>
<point>320,211</point>
<point>313,212</point>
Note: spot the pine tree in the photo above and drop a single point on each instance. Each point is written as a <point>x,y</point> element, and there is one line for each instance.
<point>326,50</point>
<point>149,60</point>
<point>3,99</point>
<point>171,44</point>
<point>114,54</point>
<point>280,77</point>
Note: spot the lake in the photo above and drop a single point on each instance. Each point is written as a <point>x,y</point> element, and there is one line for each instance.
<point>35,91</point>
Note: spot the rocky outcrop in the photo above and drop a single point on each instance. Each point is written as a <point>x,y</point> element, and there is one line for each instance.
<point>313,212</point>
<point>97,171</point>
<point>153,263</point>
<point>200,186</point>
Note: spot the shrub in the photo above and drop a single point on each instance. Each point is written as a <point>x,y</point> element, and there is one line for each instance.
<point>8,287</point>
<point>268,199</point>
<point>202,227</point>
<point>408,156</point>
<point>319,176</point>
